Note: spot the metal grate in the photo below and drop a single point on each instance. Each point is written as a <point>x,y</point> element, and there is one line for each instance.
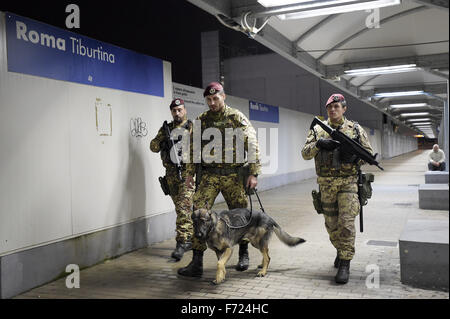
<point>382,243</point>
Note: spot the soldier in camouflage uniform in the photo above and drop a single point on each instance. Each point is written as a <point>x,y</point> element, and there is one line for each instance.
<point>337,178</point>
<point>180,193</point>
<point>223,172</point>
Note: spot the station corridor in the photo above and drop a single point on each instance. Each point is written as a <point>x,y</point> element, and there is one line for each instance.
<point>305,271</point>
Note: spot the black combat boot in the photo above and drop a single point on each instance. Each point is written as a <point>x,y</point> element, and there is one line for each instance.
<point>343,272</point>
<point>181,248</point>
<point>243,262</point>
<point>195,268</point>
<point>336,261</point>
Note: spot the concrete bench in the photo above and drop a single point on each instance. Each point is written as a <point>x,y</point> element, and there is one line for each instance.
<point>424,254</point>
<point>433,196</point>
<point>436,177</point>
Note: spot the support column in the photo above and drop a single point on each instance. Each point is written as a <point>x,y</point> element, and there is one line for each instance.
<point>210,58</point>
<point>445,137</point>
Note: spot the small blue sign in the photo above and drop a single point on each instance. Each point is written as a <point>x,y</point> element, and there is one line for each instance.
<point>263,112</point>
<point>39,49</point>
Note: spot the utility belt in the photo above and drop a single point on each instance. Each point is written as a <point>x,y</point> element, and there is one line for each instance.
<point>364,194</point>
<point>223,171</point>
<point>243,172</point>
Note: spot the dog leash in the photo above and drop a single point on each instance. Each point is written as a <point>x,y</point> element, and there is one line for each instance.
<point>259,200</point>
<point>251,211</point>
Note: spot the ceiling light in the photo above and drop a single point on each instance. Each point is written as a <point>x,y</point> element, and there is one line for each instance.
<point>414,114</point>
<point>422,123</point>
<point>277,3</point>
<point>405,106</point>
<point>418,120</point>
<point>319,8</point>
<point>395,94</point>
<point>382,70</point>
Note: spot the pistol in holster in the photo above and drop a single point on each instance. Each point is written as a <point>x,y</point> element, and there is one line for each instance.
<point>365,187</point>
<point>164,185</point>
<point>317,202</point>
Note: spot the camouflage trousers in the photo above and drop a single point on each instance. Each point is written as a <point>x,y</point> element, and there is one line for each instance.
<point>339,196</point>
<point>182,198</point>
<point>211,185</point>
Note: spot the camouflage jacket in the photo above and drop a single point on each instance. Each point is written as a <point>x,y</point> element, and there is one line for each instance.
<point>324,159</point>
<point>155,144</point>
<point>244,141</point>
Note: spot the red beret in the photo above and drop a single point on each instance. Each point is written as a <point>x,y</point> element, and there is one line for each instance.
<point>213,88</point>
<point>336,98</point>
<point>176,102</point>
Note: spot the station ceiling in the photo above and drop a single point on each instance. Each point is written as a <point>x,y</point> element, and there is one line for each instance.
<point>412,32</point>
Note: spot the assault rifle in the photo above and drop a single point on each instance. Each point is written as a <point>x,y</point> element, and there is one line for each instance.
<point>348,145</point>
<point>171,145</point>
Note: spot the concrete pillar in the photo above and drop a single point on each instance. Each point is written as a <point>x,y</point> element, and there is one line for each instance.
<point>210,57</point>
<point>445,136</point>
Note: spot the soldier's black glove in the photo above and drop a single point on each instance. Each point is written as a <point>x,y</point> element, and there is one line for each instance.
<point>346,157</point>
<point>327,144</point>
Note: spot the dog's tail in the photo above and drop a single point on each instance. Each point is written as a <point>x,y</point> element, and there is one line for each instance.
<point>286,238</point>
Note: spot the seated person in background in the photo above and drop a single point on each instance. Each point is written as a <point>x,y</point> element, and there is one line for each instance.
<point>436,159</point>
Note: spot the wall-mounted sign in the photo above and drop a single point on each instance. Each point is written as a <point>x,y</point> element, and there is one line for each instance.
<point>263,112</point>
<point>103,118</point>
<point>192,96</point>
<point>39,49</point>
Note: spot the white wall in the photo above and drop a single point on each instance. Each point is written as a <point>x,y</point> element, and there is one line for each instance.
<point>395,144</point>
<point>271,79</point>
<point>58,177</point>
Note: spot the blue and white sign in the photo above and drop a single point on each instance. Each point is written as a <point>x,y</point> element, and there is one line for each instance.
<point>264,113</point>
<point>42,50</point>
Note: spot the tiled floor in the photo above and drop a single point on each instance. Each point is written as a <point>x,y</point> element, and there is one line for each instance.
<point>305,271</point>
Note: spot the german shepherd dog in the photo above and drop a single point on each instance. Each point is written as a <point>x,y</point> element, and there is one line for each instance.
<point>223,230</point>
